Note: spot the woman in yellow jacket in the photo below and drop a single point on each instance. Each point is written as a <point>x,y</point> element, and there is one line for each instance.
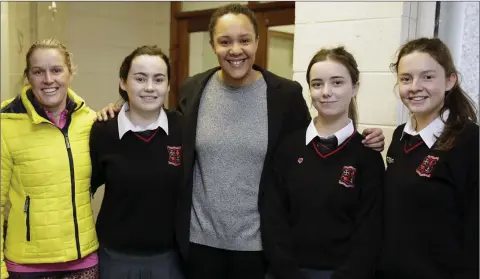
<point>45,173</point>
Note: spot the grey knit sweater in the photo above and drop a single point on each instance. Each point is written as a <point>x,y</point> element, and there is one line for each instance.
<point>231,143</point>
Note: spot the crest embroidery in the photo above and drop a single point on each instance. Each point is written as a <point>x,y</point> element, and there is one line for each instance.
<point>426,167</point>
<point>347,178</point>
<point>174,157</point>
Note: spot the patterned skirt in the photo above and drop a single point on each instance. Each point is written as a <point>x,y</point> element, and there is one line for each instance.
<point>87,273</point>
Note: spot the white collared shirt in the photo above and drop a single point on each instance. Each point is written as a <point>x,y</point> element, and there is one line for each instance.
<point>430,133</point>
<point>342,134</point>
<point>125,125</point>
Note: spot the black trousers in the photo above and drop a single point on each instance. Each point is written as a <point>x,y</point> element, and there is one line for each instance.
<point>206,262</point>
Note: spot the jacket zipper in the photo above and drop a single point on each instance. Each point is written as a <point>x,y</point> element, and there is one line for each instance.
<point>26,209</point>
<point>72,180</point>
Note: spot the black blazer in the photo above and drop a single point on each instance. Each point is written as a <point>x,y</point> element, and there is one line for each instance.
<point>287,112</point>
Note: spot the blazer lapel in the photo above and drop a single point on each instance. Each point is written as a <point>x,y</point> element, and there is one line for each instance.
<point>194,93</point>
<point>274,107</point>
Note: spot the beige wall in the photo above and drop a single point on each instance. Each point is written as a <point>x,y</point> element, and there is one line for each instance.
<point>280,56</point>
<point>50,24</point>
<point>188,6</point>
<point>201,55</point>
<point>15,44</point>
<point>372,32</point>
<point>101,34</point>
<point>4,69</point>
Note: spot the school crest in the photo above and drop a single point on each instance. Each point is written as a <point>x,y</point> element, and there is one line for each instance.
<point>347,177</point>
<point>174,157</point>
<point>426,167</point>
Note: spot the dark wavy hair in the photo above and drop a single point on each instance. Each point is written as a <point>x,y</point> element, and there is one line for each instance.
<point>461,106</point>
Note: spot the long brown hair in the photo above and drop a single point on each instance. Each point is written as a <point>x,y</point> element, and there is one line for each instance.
<point>461,106</point>
<point>340,55</point>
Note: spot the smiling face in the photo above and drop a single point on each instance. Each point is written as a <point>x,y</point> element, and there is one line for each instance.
<point>49,76</point>
<point>331,88</point>
<point>422,84</point>
<point>235,44</point>
<point>146,83</point>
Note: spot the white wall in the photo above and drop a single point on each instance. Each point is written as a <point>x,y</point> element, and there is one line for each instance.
<point>372,32</point>
<point>469,65</point>
<point>459,29</point>
<point>451,23</point>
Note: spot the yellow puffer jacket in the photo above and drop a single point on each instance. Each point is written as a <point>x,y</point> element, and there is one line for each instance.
<point>46,176</point>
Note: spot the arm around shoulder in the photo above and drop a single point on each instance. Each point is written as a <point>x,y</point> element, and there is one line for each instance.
<point>97,137</point>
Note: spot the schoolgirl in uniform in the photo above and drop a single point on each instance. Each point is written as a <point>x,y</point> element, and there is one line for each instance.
<point>431,183</point>
<point>137,155</point>
<point>326,205</point>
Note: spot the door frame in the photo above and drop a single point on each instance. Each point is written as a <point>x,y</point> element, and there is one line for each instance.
<point>183,23</point>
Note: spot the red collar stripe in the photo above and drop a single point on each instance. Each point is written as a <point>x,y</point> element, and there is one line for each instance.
<point>336,149</point>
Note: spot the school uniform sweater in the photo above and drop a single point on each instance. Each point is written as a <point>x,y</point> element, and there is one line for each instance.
<point>141,175</point>
<point>326,207</point>
<point>431,206</point>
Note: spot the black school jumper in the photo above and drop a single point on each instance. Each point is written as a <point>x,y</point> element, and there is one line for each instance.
<point>141,177</point>
<point>326,208</point>
<point>431,210</point>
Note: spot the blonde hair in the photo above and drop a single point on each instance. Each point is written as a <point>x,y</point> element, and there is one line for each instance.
<point>48,43</point>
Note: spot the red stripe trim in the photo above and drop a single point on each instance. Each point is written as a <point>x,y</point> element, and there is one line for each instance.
<point>148,139</point>
<point>411,148</point>
<point>335,150</point>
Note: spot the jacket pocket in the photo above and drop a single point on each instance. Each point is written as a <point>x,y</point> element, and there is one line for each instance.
<point>26,209</point>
